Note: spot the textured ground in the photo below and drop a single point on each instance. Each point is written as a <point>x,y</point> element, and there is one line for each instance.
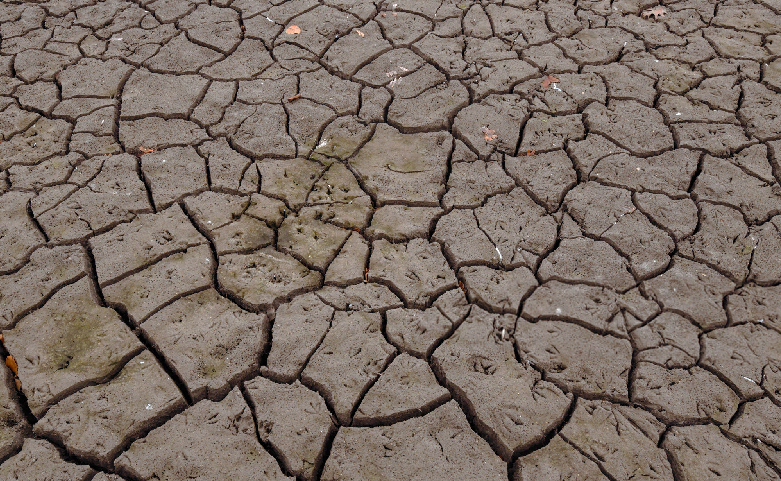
<point>424,240</point>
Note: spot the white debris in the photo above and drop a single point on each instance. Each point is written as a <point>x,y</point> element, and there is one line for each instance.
<point>148,407</point>
<point>749,379</point>
<point>500,254</point>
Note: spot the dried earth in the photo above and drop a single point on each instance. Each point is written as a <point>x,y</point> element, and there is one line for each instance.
<point>362,240</point>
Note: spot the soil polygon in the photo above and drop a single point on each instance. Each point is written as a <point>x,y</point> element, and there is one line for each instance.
<point>498,291</point>
<point>122,409</point>
<point>438,445</point>
<point>757,426</point>
<point>41,460</point>
<point>627,437</point>
<point>158,133</point>
<point>299,327</point>
<point>693,290</point>
<point>299,439</point>
<point>208,341</point>
<point>764,263</point>
<point>573,261</point>
<point>13,424</point>
<point>348,266</point>
<point>113,196</point>
<point>232,448</point>
<point>756,304</point>
<point>511,405</point>
<point>557,460</point>
<point>547,176</point>
<point>148,93</point>
<point>87,343</point>
<point>216,27</point>
<point>470,183</point>
<point>622,118</point>
<point>740,354</point>
<point>519,228</point>
<point>683,395</point>
<point>161,168</point>
<point>399,223</point>
<point>406,388</point>
<point>669,340</point>
<point>177,275</point>
<point>502,115</point>
<point>18,236</point>
<point>418,332</point>
<point>313,242</point>
<point>265,277</point>
<point>415,173</point>
<point>351,356</point>
<point>290,180</point>
<point>417,270</point>
<point>463,242</point>
<point>591,306</point>
<point>575,358</point>
<point>722,241</point>
<point>145,240</point>
<point>365,296</point>
<point>49,269</point>
<point>677,216</point>
<point>442,103</point>
<point>703,450</point>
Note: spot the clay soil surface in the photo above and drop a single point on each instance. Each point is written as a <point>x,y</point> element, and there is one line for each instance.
<point>390,240</point>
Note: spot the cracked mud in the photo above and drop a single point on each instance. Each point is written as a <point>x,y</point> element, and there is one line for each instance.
<point>520,240</point>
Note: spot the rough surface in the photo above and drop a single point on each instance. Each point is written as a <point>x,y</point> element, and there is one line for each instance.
<point>506,398</point>
<point>412,240</point>
<point>298,437</point>
<point>405,389</point>
<point>439,444</point>
<point>168,450</point>
<point>351,356</point>
<point>39,459</point>
<point>122,409</point>
<point>86,343</point>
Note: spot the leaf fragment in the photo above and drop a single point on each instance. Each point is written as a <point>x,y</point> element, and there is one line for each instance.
<point>550,79</point>
<point>488,134</point>
<point>11,363</point>
<point>295,97</point>
<point>657,11</point>
<point>530,153</point>
<point>293,30</point>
